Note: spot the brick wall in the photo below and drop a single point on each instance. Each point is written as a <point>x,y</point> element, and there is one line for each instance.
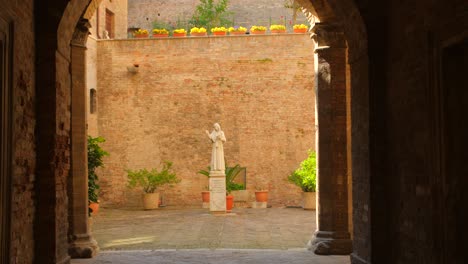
<point>91,83</point>
<point>142,13</point>
<point>259,88</point>
<point>20,13</point>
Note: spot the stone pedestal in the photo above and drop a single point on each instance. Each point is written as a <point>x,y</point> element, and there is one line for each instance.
<point>217,192</point>
<point>257,205</point>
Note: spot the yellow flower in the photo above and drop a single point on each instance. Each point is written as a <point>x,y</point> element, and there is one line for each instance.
<point>301,26</point>
<point>160,31</point>
<point>258,28</point>
<point>179,31</point>
<point>218,29</point>
<point>141,32</point>
<point>198,30</point>
<point>237,29</point>
<point>277,27</point>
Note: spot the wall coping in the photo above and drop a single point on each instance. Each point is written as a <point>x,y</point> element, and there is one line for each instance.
<point>207,37</point>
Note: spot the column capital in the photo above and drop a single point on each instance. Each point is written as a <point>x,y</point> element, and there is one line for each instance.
<point>80,36</point>
<point>328,36</point>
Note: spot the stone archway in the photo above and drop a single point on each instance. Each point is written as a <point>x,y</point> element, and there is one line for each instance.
<point>340,27</point>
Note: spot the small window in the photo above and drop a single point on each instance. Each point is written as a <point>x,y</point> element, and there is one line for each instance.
<point>92,101</point>
<point>110,23</point>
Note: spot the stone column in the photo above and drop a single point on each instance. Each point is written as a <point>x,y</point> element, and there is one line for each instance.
<point>332,235</point>
<point>81,244</point>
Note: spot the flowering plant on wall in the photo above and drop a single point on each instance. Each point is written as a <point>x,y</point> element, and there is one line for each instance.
<point>300,28</point>
<point>160,31</point>
<point>237,30</point>
<point>180,32</point>
<point>141,33</point>
<point>258,30</point>
<point>218,29</point>
<point>277,28</point>
<point>198,30</point>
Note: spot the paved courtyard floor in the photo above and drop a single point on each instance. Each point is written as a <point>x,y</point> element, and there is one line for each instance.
<point>182,235</point>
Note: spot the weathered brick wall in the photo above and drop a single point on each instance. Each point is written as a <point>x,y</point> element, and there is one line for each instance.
<point>119,8</point>
<point>412,203</point>
<point>260,89</point>
<point>20,13</point>
<point>91,83</point>
<point>142,13</point>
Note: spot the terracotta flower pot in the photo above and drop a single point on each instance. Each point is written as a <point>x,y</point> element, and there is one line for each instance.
<point>277,31</point>
<point>179,35</point>
<point>300,30</point>
<point>219,33</point>
<point>198,34</point>
<point>150,201</point>
<point>258,32</point>
<point>237,33</point>
<point>308,200</point>
<point>206,196</point>
<point>94,208</point>
<point>261,196</point>
<point>141,36</point>
<point>229,203</point>
<point>160,35</point>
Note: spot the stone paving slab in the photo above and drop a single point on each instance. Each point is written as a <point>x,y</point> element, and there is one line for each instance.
<point>224,256</point>
<point>178,228</point>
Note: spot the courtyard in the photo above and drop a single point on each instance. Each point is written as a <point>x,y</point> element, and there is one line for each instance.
<point>193,235</point>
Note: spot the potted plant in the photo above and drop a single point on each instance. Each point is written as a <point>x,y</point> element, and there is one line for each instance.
<point>160,33</point>
<point>150,180</point>
<point>306,178</point>
<point>198,32</point>
<point>179,32</point>
<point>261,194</point>
<point>219,31</point>
<point>237,30</point>
<point>206,193</point>
<point>276,29</point>
<point>95,156</point>
<point>231,174</point>
<point>257,30</point>
<point>300,28</point>
<point>140,33</point>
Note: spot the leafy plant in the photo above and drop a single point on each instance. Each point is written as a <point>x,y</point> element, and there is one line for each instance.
<point>209,14</point>
<point>306,175</point>
<point>95,156</point>
<point>150,180</point>
<point>231,174</point>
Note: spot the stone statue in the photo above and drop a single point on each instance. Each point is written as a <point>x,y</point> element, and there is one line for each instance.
<point>217,154</point>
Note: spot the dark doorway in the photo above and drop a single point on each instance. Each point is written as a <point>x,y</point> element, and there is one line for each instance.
<point>455,142</point>
<point>110,23</point>
<point>6,144</point>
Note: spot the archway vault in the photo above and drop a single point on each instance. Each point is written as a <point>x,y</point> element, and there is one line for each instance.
<point>341,38</point>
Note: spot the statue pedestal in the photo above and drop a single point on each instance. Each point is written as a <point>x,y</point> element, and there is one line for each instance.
<point>217,192</point>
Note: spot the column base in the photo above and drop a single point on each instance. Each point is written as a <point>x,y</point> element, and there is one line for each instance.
<point>83,246</point>
<point>357,260</point>
<point>326,243</point>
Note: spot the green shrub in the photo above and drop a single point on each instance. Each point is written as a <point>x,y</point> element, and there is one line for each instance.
<point>95,156</point>
<point>150,180</point>
<point>306,175</point>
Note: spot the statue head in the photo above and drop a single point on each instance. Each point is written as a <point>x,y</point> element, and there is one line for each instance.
<point>217,127</point>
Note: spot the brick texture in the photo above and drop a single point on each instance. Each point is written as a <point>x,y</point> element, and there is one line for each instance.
<point>20,13</point>
<point>259,88</point>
